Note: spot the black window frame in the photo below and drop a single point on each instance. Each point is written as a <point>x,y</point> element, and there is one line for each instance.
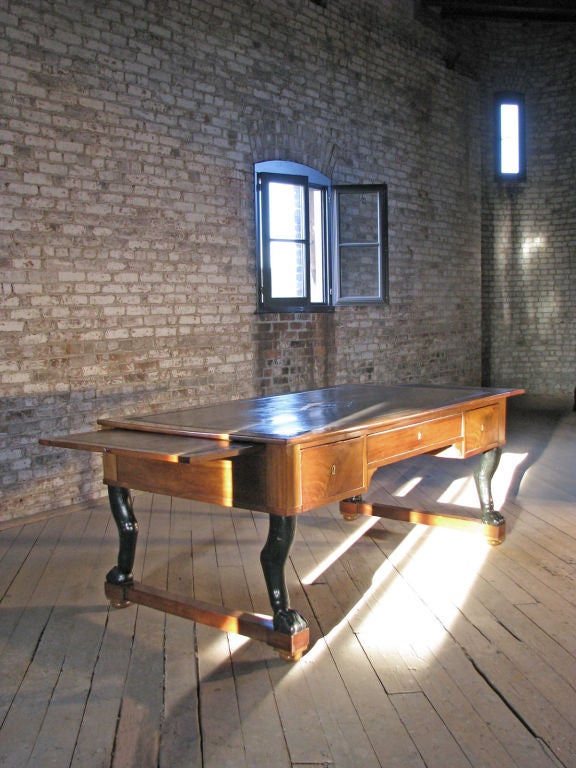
<point>304,303</point>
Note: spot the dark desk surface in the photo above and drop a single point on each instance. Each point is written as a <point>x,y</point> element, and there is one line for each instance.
<point>289,417</point>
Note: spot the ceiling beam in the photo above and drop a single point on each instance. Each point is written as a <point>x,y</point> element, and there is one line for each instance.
<point>554,10</point>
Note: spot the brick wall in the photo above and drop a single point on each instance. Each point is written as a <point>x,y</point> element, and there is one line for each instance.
<point>129,130</point>
<point>529,229</point>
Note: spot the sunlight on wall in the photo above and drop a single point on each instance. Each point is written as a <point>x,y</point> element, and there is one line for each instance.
<point>532,244</point>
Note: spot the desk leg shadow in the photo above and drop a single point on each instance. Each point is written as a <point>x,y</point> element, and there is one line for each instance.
<point>491,523</point>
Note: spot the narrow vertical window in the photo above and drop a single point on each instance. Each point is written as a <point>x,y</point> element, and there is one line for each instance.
<point>510,152</point>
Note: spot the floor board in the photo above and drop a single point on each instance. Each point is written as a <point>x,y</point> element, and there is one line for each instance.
<point>429,648</point>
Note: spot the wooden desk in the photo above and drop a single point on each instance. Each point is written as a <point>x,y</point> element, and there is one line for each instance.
<point>284,455</point>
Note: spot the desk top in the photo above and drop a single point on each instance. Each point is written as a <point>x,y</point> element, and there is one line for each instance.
<point>292,417</point>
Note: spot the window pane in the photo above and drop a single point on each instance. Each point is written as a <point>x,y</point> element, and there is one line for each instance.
<point>316,215</point>
<point>360,271</point>
<point>358,217</point>
<point>287,270</point>
<point>287,211</point>
<point>509,138</point>
<point>361,252</point>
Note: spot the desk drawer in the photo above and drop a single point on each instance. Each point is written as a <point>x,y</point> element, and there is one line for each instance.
<point>421,438</point>
<point>332,472</point>
<point>482,428</point>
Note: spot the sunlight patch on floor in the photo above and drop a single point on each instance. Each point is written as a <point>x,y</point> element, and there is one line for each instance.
<point>406,487</point>
<point>436,575</point>
<point>462,492</point>
<point>364,608</point>
<point>348,542</point>
<point>417,592</point>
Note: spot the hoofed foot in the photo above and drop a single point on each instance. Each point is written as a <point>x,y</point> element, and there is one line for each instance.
<point>118,577</point>
<point>115,580</point>
<point>492,518</point>
<point>289,622</point>
<point>494,526</point>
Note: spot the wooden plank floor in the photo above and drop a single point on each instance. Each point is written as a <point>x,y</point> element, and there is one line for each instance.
<point>428,647</point>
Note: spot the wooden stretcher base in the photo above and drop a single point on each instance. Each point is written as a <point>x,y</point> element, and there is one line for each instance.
<point>494,534</point>
<point>253,625</point>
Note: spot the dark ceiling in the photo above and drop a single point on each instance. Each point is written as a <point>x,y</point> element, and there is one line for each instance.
<point>527,10</point>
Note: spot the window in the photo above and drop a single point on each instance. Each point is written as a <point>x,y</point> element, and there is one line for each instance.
<point>318,244</point>
<point>360,244</point>
<point>510,151</point>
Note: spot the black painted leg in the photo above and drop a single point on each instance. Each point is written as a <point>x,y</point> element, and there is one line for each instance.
<point>273,559</point>
<point>122,511</point>
<point>483,477</point>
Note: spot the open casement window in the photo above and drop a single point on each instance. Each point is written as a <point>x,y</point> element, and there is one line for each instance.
<point>360,244</point>
<point>318,245</point>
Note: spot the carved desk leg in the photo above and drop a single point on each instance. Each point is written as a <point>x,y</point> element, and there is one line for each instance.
<point>495,524</point>
<point>273,558</point>
<point>287,632</point>
<point>122,511</point>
